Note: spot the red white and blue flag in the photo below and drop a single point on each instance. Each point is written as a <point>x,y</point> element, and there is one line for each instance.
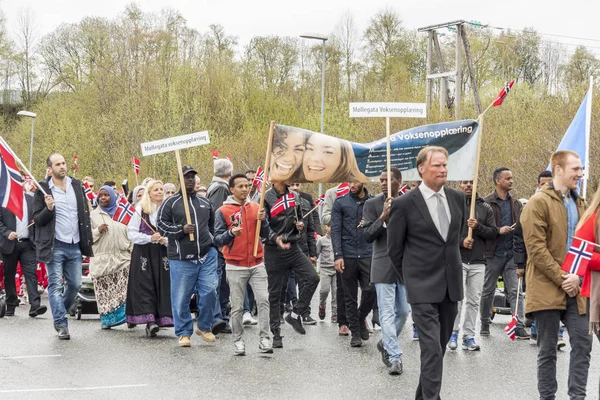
<point>578,257</point>
<point>503,94</point>
<point>320,200</point>
<point>215,155</point>
<point>285,202</point>
<point>342,190</point>
<point>403,189</point>
<point>91,196</point>
<point>259,178</point>
<point>511,328</point>
<point>237,217</point>
<point>124,211</point>
<point>136,165</point>
<point>11,187</point>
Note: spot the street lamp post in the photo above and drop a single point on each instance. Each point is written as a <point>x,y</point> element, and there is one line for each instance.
<point>323,38</point>
<point>32,116</point>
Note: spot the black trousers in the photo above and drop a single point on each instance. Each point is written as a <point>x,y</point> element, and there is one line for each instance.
<point>357,272</point>
<point>24,253</point>
<point>341,301</point>
<point>279,263</point>
<point>434,323</point>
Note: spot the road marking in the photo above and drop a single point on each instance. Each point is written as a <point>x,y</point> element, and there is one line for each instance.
<point>72,389</point>
<point>40,356</point>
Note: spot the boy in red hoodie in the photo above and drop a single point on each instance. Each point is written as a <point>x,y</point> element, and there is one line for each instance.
<point>235,228</point>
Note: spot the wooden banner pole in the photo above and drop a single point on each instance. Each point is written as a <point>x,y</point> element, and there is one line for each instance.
<point>262,184</point>
<point>476,176</point>
<point>186,206</point>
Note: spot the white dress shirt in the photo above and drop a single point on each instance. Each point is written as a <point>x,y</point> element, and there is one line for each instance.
<point>431,201</point>
<point>22,229</point>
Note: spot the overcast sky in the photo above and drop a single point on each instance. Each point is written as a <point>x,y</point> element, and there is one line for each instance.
<point>247,18</point>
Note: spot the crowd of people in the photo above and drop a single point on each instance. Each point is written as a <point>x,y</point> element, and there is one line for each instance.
<point>411,250</point>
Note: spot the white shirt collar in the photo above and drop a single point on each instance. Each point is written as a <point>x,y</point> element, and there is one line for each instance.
<point>428,193</point>
<point>51,183</point>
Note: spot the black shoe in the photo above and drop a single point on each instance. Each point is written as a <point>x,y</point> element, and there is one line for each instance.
<point>385,357</point>
<point>375,319</point>
<point>522,334</point>
<point>356,341</point>
<point>131,325</point>
<point>10,312</point>
<point>322,311</point>
<point>278,342</point>
<point>34,311</point>
<point>218,327</point>
<point>63,333</point>
<point>396,368</point>
<point>364,332</point>
<point>227,328</point>
<point>308,320</point>
<point>296,323</point>
<point>151,329</point>
<point>485,330</point>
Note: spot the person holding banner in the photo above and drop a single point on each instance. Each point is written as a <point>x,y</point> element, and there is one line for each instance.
<point>282,255</point>
<point>63,234</point>
<point>192,263</point>
<point>149,288</point>
<point>424,235</point>
<point>235,224</point>
<point>553,295</point>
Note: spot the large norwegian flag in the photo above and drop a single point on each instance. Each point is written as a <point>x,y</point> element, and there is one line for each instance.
<point>320,200</point>
<point>503,94</point>
<point>285,202</point>
<point>342,190</point>
<point>91,196</point>
<point>11,188</point>
<point>124,211</point>
<point>511,328</point>
<point>136,165</point>
<point>259,178</point>
<point>578,257</point>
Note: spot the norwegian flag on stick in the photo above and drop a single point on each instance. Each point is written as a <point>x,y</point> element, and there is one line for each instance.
<point>320,200</point>
<point>124,211</point>
<point>579,256</point>
<point>285,202</point>
<point>11,188</point>
<point>503,94</point>
<point>511,328</point>
<point>136,165</point>
<point>342,190</point>
<point>215,155</point>
<point>259,178</point>
<point>75,163</point>
<point>91,196</point>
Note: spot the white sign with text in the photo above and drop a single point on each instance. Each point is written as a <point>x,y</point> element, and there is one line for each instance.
<point>392,110</point>
<point>175,143</point>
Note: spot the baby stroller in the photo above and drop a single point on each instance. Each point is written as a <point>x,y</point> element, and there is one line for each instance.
<point>500,304</point>
<point>85,302</point>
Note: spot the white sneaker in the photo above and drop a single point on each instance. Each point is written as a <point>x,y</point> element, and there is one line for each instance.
<point>265,345</point>
<point>248,320</point>
<point>239,348</point>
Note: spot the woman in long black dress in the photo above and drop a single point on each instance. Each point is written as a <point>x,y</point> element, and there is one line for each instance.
<point>148,291</point>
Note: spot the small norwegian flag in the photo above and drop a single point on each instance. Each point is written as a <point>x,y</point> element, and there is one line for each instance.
<point>511,328</point>
<point>342,190</point>
<point>285,202</point>
<point>258,179</point>
<point>320,200</point>
<point>215,155</point>
<point>124,211</point>
<point>136,165</point>
<point>11,187</point>
<point>503,94</point>
<point>91,196</point>
<point>578,257</point>
<point>75,163</point>
<point>403,189</point>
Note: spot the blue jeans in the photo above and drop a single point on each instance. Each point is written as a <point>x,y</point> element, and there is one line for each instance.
<point>185,275</point>
<point>393,311</point>
<point>66,261</point>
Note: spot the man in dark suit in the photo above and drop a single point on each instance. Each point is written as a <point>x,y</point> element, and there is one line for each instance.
<point>424,236</point>
<point>16,244</point>
<point>391,296</point>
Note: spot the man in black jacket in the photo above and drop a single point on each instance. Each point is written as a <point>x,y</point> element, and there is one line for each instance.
<point>424,236</point>
<point>472,253</point>
<point>391,295</point>
<point>352,256</point>
<point>17,245</point>
<point>282,255</point>
<point>63,234</point>
<point>193,263</point>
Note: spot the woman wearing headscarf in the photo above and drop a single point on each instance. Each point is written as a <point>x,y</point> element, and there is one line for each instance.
<point>109,267</point>
<point>149,293</point>
<point>135,196</point>
<point>169,190</point>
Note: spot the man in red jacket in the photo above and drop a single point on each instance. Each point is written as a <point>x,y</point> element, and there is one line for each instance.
<point>235,228</point>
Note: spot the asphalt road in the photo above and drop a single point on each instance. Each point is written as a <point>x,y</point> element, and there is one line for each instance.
<point>124,364</point>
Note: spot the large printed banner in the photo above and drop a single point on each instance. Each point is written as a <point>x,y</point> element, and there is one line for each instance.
<point>301,156</point>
